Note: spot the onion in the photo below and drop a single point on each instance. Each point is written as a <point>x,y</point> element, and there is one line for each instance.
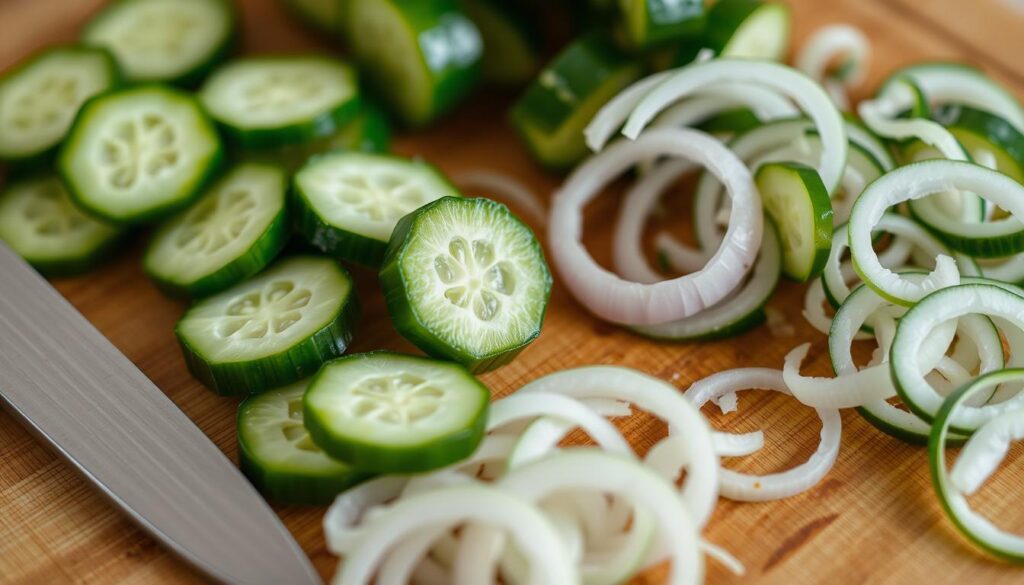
<point>507,188</point>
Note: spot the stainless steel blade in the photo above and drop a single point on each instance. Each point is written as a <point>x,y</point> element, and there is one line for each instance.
<point>80,394</point>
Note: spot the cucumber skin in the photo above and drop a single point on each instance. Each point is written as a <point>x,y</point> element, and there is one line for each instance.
<point>81,264</point>
<point>369,457</point>
<point>634,37</point>
<point>723,19</point>
<point>392,282</point>
<point>747,323</point>
<point>256,258</point>
<point>993,128</point>
<point>515,19</point>
<point>988,247</point>
<point>193,77</point>
<point>158,213</point>
<point>822,220</point>
<point>290,365</point>
<point>43,159</point>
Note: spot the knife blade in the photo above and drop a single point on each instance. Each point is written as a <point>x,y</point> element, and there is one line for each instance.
<point>76,391</point>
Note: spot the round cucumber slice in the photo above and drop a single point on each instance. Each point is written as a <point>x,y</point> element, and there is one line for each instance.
<point>796,199</point>
<point>277,455</point>
<point>466,280</point>
<point>423,57</point>
<point>177,41</point>
<point>39,222</point>
<point>347,203</point>
<point>139,154</point>
<point>650,23</point>
<point>272,330</point>
<point>745,29</point>
<point>511,48</point>
<point>230,234</point>
<point>391,413</point>
<point>551,114</point>
<point>323,15</point>
<point>978,130</point>
<point>270,101</point>
<point>40,97</point>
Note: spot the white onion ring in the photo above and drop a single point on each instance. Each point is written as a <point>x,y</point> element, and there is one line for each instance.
<point>507,188</point>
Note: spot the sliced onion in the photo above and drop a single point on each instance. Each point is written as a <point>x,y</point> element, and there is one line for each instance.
<point>341,522</point>
<point>506,188</point>
<point>829,42</point>
<point>620,301</point>
<point>611,115</point>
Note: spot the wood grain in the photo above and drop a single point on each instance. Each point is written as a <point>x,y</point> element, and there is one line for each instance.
<point>873,519</point>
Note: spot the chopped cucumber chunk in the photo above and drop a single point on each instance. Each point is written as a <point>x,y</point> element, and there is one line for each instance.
<point>422,56</point>
<point>796,199</point>
<point>139,154</point>
<point>511,47</point>
<point>323,15</point>
<point>347,203</point>
<point>272,330</point>
<point>271,101</point>
<point>551,114</point>
<point>466,280</point>
<point>650,23</point>
<point>744,29</point>
<point>392,413</point>
<point>277,455</point>
<point>177,41</point>
<point>39,222</point>
<point>40,97</point>
<point>230,234</point>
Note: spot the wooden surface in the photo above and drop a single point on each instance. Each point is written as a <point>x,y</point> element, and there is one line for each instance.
<point>873,519</point>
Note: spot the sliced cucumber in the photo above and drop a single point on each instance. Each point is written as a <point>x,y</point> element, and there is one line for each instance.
<point>650,23</point>
<point>40,97</point>
<point>39,222</point>
<point>796,199</point>
<point>347,203</point>
<point>323,15</point>
<point>272,330</point>
<point>466,280</point>
<point>979,130</point>
<point>177,41</point>
<point>422,56</point>
<point>139,154</point>
<point>731,122</point>
<point>745,29</point>
<point>551,114</point>
<point>391,413</point>
<point>230,234</point>
<point>994,239</point>
<point>277,455</point>
<point>273,101</point>
<point>511,47</point>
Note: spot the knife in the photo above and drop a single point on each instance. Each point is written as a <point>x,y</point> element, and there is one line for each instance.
<point>78,393</point>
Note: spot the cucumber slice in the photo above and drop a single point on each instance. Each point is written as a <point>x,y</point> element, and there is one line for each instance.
<point>230,234</point>
<point>745,29</point>
<point>323,15</point>
<point>38,221</point>
<point>466,280</point>
<point>139,154</point>
<point>40,97</point>
<point>730,122</point>
<point>347,203</point>
<point>391,413</point>
<point>422,56</point>
<point>551,114</point>
<point>177,41</point>
<point>994,239</point>
<point>796,199</point>
<point>277,455</point>
<point>511,47</point>
<point>272,330</point>
<point>271,101</point>
<point>650,23</point>
<point>978,130</point>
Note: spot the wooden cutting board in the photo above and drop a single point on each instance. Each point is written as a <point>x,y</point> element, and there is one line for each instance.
<point>874,519</point>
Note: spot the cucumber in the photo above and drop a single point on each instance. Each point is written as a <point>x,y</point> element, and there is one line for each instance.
<point>323,15</point>
<point>233,232</point>
<point>387,412</point>
<point>175,41</point>
<point>38,221</point>
<point>347,203</point>
<point>276,100</point>
<point>551,114</point>
<point>745,29</point>
<point>730,122</point>
<point>511,47</point>
<point>139,154</point>
<point>40,97</point>
<point>978,130</point>
<point>272,330</point>
<point>466,280</point>
<point>277,455</point>
<point>796,199</point>
<point>422,56</point>
<point>644,24</point>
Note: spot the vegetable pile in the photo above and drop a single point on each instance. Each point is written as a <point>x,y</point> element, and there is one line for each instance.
<point>261,174</point>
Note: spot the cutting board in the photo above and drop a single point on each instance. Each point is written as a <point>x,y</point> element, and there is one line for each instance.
<point>873,519</point>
